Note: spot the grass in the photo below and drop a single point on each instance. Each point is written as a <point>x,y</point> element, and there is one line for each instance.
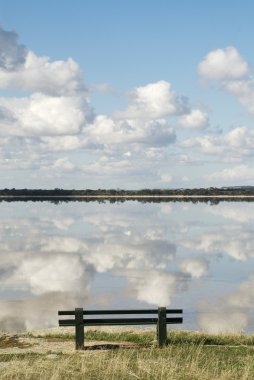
<point>188,356</point>
<point>148,336</point>
<point>12,341</point>
<point>189,362</point>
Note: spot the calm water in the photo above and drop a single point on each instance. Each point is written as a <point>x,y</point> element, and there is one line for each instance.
<point>198,257</point>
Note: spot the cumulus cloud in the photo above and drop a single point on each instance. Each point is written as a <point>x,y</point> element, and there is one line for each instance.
<point>58,100</point>
<point>166,178</point>
<point>235,175</point>
<point>22,69</point>
<point>244,91</point>
<point>196,267</point>
<point>12,54</point>
<point>41,114</point>
<point>238,212</point>
<point>153,101</point>
<point>63,223</point>
<point>233,315</point>
<point>196,119</point>
<point>233,145</point>
<point>155,287</point>
<point>6,115</point>
<point>223,64</point>
<point>243,297</point>
<point>222,320</point>
<point>38,312</point>
<point>51,113</point>
<point>106,130</point>
<point>233,72</point>
<point>38,74</point>
<point>62,143</point>
<point>233,241</point>
<point>46,273</point>
<point>37,262</point>
<point>63,164</point>
<point>136,243</point>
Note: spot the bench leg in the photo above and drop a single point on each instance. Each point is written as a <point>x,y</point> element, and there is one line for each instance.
<point>79,329</point>
<point>162,326</point>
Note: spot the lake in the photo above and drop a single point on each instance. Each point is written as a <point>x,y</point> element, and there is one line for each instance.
<point>194,256</point>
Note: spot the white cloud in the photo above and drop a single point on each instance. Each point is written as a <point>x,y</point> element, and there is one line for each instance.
<point>38,312</point>
<point>166,178</point>
<point>6,115</point>
<point>57,78</point>
<point>185,179</point>
<point>41,114</point>
<point>155,287</point>
<point>196,119</point>
<point>222,320</point>
<point>237,212</point>
<point>62,143</point>
<point>243,297</point>
<point>106,130</point>
<point>47,273</point>
<point>133,245</point>
<point>223,64</point>
<point>12,54</point>
<point>153,101</point>
<point>63,223</point>
<point>196,267</point>
<point>231,69</point>
<point>63,244</point>
<point>53,114</point>
<point>233,241</point>
<point>241,174</point>
<point>63,164</point>
<point>244,91</point>
<point>233,313</point>
<point>233,145</point>
<point>58,101</point>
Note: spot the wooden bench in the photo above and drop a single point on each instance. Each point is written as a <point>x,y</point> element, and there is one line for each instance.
<point>160,319</point>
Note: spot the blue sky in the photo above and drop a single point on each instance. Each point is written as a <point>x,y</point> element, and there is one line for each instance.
<point>156,94</point>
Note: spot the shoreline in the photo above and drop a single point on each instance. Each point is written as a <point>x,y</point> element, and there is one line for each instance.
<point>125,196</point>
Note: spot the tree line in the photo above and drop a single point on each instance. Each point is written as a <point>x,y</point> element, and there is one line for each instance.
<point>211,191</point>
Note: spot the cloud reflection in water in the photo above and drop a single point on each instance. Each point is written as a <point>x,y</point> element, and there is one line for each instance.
<point>65,256</point>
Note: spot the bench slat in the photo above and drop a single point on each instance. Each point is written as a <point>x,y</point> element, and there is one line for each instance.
<point>118,321</point>
<point>116,312</point>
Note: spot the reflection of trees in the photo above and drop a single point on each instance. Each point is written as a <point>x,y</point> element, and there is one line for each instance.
<point>212,191</point>
<point>65,199</point>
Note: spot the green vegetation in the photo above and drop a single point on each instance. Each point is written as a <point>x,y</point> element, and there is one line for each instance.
<point>147,336</point>
<point>213,195</point>
<point>212,191</point>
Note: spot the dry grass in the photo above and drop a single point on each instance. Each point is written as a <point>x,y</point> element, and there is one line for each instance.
<point>185,363</point>
<point>147,336</point>
<point>7,341</point>
<point>186,358</point>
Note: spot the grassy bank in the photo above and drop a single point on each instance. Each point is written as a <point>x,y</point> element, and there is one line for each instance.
<point>188,356</point>
<point>148,336</point>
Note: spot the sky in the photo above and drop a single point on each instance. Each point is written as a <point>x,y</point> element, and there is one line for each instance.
<point>126,94</point>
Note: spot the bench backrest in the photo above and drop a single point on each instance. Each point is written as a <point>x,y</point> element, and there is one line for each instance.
<point>79,313</point>
<point>161,320</point>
